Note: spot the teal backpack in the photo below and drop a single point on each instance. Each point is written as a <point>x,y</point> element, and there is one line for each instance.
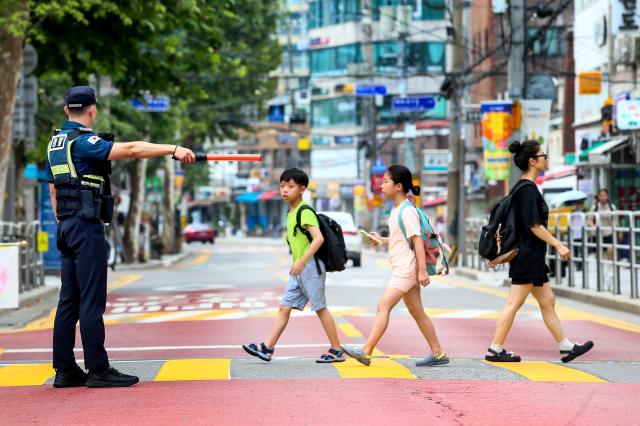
<point>432,247</point>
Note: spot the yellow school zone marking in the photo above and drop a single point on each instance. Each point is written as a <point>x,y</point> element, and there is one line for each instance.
<point>122,281</point>
<point>380,368</point>
<point>349,330</point>
<point>25,374</point>
<point>383,263</point>
<point>195,369</point>
<point>563,312</point>
<point>541,371</point>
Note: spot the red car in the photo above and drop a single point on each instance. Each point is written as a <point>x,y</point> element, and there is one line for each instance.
<point>198,232</point>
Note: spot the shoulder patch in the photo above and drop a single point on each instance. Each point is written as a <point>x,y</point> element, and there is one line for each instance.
<point>93,139</point>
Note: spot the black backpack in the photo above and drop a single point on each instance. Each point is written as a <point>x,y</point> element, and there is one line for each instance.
<point>498,240</point>
<point>333,251</point>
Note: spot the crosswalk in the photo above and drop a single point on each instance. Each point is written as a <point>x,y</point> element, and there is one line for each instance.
<point>382,367</point>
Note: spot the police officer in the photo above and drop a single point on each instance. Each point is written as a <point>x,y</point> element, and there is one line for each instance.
<point>78,163</point>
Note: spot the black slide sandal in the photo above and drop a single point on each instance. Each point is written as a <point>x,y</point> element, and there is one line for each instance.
<point>502,356</point>
<point>576,351</point>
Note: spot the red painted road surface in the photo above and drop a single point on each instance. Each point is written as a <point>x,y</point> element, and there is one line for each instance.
<point>461,338</point>
<point>328,401</point>
<point>469,338</point>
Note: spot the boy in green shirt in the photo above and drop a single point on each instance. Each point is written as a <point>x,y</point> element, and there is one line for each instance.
<point>305,283</point>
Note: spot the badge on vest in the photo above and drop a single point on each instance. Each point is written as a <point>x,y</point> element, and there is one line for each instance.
<point>57,142</point>
<point>93,139</point>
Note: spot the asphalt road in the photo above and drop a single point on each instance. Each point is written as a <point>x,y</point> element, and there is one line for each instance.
<point>180,329</point>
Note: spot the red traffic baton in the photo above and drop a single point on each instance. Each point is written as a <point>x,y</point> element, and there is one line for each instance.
<point>228,157</point>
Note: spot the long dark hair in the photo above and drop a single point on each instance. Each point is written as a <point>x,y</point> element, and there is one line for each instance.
<point>523,152</point>
<point>402,175</point>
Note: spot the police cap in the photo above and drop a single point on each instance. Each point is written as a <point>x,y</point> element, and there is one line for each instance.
<point>80,97</point>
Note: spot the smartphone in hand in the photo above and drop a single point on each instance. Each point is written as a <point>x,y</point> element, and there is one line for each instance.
<point>371,237</point>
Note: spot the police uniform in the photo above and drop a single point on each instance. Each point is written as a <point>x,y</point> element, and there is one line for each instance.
<point>78,167</point>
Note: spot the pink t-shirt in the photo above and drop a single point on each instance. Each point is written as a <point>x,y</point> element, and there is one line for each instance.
<point>402,258</point>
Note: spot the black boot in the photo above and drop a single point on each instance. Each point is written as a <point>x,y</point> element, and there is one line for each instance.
<point>70,378</point>
<point>110,378</point>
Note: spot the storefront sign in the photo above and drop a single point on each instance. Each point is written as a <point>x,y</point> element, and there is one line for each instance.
<point>536,119</point>
<point>625,16</point>
<point>628,115</point>
<point>496,132</point>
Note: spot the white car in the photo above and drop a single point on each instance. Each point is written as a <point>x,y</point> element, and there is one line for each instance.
<point>352,238</point>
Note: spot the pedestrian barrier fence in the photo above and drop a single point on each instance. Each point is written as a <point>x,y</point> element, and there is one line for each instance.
<point>604,250</point>
<point>31,265</point>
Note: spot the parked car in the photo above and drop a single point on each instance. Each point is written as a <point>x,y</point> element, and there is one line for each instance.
<point>352,238</point>
<point>198,232</point>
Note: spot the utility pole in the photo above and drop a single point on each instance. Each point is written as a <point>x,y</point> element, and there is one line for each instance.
<point>517,65</point>
<point>403,20</point>
<point>290,89</point>
<point>455,181</point>
<point>368,103</point>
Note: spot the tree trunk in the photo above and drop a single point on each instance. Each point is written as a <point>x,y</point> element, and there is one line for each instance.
<point>132,222</point>
<point>19,160</point>
<point>168,202</point>
<point>10,66</point>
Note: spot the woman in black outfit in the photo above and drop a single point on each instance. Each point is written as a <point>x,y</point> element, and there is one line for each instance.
<point>528,271</point>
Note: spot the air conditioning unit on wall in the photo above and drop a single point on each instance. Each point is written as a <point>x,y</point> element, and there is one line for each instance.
<point>626,50</point>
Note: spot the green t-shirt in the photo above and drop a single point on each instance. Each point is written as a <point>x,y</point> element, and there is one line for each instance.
<point>299,244</point>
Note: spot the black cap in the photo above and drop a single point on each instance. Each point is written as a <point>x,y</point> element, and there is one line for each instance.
<point>80,97</point>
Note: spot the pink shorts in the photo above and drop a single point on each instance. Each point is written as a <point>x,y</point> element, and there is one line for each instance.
<point>404,284</point>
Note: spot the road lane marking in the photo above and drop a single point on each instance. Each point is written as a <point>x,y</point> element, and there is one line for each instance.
<point>194,369</point>
<point>542,371</point>
<point>122,281</point>
<point>349,330</point>
<point>380,368</point>
<point>25,374</point>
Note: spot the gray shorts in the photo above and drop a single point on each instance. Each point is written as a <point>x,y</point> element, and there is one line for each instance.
<point>308,286</point>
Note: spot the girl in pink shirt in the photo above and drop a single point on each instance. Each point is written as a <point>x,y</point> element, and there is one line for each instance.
<point>408,271</point>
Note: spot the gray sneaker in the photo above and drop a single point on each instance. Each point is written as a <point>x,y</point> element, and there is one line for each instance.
<point>433,361</point>
<point>357,353</point>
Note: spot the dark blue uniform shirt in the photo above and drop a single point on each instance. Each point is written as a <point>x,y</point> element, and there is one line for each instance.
<point>86,152</point>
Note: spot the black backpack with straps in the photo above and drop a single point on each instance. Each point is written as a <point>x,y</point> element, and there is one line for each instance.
<point>333,251</point>
<point>498,240</point>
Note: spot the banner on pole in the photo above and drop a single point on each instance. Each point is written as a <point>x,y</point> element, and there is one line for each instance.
<point>496,132</point>
<point>9,281</point>
<point>536,119</point>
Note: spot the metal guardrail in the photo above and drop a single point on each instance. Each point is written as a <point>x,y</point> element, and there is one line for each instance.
<point>31,263</point>
<point>604,250</point>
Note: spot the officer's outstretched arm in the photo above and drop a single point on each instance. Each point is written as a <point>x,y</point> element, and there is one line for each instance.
<point>122,150</point>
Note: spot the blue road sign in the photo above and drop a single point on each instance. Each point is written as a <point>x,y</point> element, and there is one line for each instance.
<point>370,90</point>
<point>414,104</point>
<point>378,167</point>
<point>159,104</point>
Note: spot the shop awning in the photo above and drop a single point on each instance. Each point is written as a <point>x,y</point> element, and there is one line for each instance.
<point>599,155</point>
<point>266,196</point>
<point>434,202</point>
<point>247,197</point>
<point>556,174</point>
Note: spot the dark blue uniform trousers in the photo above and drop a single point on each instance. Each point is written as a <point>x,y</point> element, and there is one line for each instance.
<point>83,295</point>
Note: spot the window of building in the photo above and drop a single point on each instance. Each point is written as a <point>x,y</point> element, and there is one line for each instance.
<point>420,57</point>
<point>551,43</point>
<point>300,61</point>
<point>334,60</point>
<point>332,12</point>
<point>340,111</point>
<point>422,9</point>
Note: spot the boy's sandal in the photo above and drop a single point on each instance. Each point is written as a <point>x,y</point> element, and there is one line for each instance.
<point>332,355</point>
<point>502,356</point>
